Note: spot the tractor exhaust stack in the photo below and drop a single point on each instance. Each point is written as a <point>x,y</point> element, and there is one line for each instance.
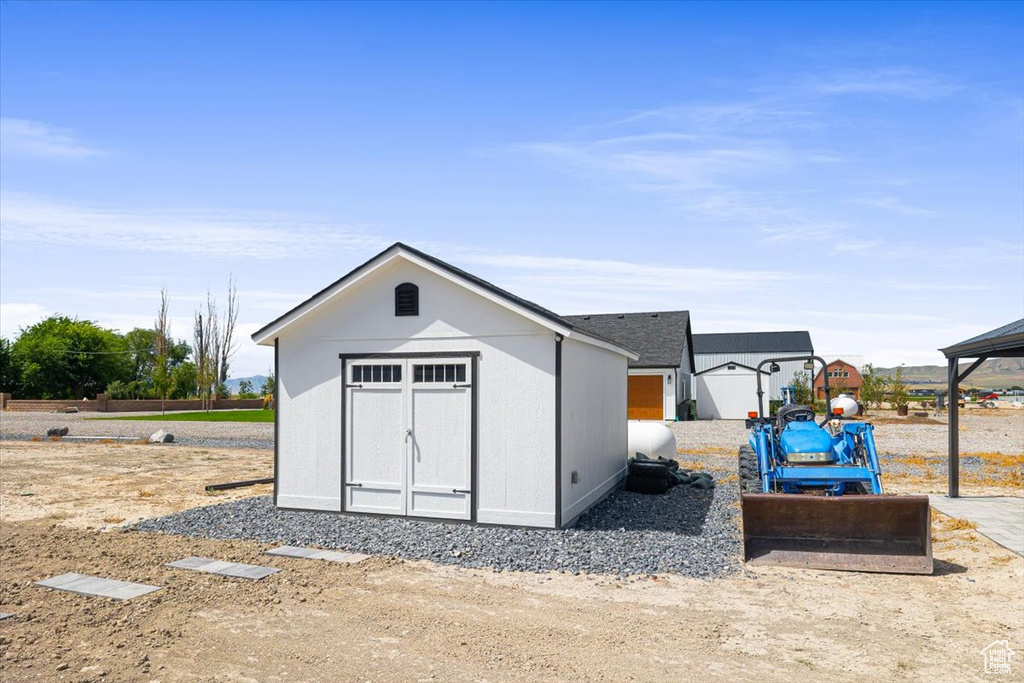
<point>872,533</point>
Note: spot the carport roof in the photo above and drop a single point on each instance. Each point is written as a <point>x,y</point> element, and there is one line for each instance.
<point>1005,341</point>
<point>753,342</point>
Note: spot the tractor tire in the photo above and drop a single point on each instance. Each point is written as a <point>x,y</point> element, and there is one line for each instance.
<point>640,484</point>
<point>749,473</point>
<point>649,468</point>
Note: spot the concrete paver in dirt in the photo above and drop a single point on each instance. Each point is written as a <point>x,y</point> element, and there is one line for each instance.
<point>999,518</point>
<point>222,568</point>
<point>316,554</point>
<point>97,587</point>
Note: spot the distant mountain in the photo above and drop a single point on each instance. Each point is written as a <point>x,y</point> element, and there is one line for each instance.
<point>997,373</point>
<point>256,381</point>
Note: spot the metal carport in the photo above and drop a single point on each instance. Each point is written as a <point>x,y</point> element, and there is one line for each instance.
<point>1003,342</point>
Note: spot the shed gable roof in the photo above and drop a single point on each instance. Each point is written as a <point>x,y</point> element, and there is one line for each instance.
<point>753,342</point>
<point>735,364</point>
<point>658,337</point>
<point>522,306</point>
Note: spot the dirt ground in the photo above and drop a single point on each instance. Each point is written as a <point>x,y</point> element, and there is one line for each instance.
<point>393,620</point>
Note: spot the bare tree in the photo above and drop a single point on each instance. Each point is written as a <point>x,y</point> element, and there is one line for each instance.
<point>212,350</point>
<point>206,348</point>
<point>227,344</point>
<point>162,331</point>
<point>213,343</point>
<point>199,347</point>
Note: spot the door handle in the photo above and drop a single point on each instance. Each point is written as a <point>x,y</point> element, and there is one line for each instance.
<point>357,485</point>
<point>462,386</point>
<point>461,491</point>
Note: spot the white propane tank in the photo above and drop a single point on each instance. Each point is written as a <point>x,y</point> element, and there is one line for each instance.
<point>847,403</point>
<point>651,439</point>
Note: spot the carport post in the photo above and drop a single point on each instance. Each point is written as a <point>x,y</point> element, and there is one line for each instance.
<point>954,427</point>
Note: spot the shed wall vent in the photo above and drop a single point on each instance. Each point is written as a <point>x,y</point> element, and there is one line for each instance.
<point>407,299</point>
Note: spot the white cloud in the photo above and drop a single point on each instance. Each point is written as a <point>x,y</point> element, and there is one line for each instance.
<point>25,138</point>
<point>889,81</point>
<point>30,219</point>
<point>894,204</point>
<point>15,316</point>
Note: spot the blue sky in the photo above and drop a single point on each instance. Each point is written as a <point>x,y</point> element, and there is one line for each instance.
<point>854,169</point>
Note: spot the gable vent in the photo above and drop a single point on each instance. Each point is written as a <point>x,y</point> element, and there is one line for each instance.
<point>407,299</point>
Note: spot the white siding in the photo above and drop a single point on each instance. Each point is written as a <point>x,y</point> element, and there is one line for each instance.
<point>725,394</point>
<point>773,385</point>
<point>593,424</point>
<point>516,400</point>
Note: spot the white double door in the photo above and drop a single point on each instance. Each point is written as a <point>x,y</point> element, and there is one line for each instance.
<point>408,437</point>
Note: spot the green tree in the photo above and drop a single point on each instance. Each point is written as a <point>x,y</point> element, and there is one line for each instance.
<point>899,396</point>
<point>184,381</point>
<point>802,388</point>
<point>10,372</point>
<point>872,391</point>
<point>64,358</point>
<point>268,384</point>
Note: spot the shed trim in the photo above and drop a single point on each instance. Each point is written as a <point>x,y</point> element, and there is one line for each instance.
<point>558,432</point>
<point>277,417</point>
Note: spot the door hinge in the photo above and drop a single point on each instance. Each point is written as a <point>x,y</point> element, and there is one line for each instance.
<point>461,491</point>
<point>359,485</point>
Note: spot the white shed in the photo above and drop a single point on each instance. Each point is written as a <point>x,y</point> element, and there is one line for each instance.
<point>727,392</point>
<point>749,349</point>
<point>410,387</point>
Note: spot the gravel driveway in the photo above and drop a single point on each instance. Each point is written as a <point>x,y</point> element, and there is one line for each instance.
<point>25,426</point>
<point>1002,432</point>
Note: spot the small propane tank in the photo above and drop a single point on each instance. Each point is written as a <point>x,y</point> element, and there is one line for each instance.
<point>848,404</point>
<point>652,439</point>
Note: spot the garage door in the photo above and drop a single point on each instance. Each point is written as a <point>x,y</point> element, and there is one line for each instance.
<point>646,399</point>
<point>408,437</point>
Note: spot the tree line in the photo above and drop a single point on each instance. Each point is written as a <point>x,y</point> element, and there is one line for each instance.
<point>66,358</point>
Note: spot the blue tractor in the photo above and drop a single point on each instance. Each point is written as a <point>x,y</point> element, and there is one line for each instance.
<point>812,496</point>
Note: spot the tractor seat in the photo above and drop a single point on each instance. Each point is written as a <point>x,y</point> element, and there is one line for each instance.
<point>795,413</point>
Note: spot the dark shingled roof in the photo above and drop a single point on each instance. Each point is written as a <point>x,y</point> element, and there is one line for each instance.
<point>659,338</point>
<point>752,342</point>
<point>1003,341</point>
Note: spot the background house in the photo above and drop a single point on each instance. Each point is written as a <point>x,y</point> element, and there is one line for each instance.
<point>660,379</point>
<point>726,379</point>
<point>411,387</point>
<point>843,378</point>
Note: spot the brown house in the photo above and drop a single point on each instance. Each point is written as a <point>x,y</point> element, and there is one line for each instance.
<point>843,378</point>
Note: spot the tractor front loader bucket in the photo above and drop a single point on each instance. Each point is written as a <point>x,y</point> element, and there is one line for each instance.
<point>864,533</point>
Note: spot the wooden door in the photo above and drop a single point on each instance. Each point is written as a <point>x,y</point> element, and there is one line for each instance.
<point>646,398</point>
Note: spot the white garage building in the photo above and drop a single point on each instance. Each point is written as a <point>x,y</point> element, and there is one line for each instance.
<point>410,387</point>
<point>725,383</point>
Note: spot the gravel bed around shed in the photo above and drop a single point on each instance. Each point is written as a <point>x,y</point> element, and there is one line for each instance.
<point>686,531</point>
